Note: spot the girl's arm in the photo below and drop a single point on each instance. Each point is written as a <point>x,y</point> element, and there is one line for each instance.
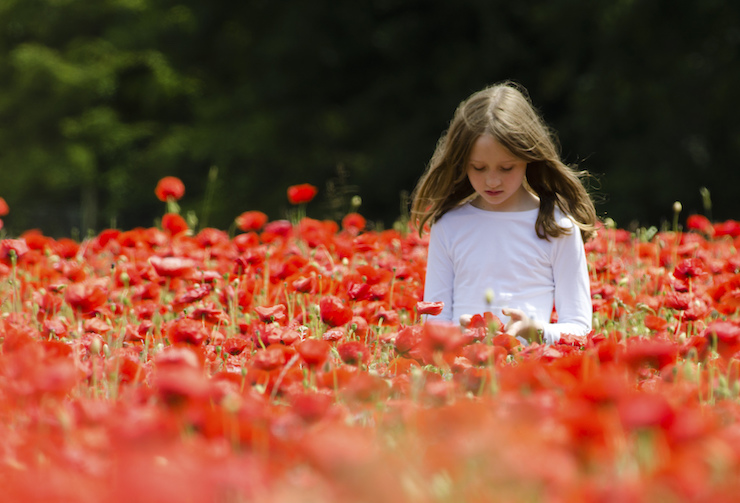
<point>440,275</point>
<point>572,287</point>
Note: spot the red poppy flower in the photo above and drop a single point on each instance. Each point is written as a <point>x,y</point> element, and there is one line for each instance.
<point>689,269</point>
<point>8,247</point>
<point>169,187</point>
<point>364,387</point>
<point>251,221</point>
<point>86,297</point>
<point>4,210</point>
<point>353,223</point>
<point>483,354</point>
<point>440,339</point>
<point>191,295</point>
<point>360,326</point>
<point>311,406</point>
<point>172,266</point>
<point>97,326</point>
<point>727,228</point>
<point>289,336</point>
<point>235,345</point>
<point>699,223</point>
<point>729,302</point>
<point>487,320</point>
<point>407,339</point>
<point>304,285</point>
<point>56,377</point>
<point>271,313</point>
<point>270,358</point>
<point>178,356</point>
<point>64,247</point>
<point>358,291</point>
<point>176,385</point>
<point>313,351</point>
<point>128,369</point>
<point>353,353</point>
<point>677,300</point>
<point>655,322</point>
<point>334,334</point>
<point>188,331</point>
<point>433,308</point>
<point>174,224</point>
<point>727,335</point>
<point>641,410</point>
<point>389,317</point>
<point>652,353</point>
<point>333,311</point>
<point>302,193</point>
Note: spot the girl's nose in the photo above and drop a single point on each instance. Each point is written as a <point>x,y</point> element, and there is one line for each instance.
<point>493,180</point>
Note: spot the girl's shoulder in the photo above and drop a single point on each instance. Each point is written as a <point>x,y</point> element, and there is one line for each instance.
<point>563,219</point>
<point>458,212</point>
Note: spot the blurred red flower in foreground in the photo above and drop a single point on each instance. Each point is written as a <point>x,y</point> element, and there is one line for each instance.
<point>726,335</point>
<point>251,221</point>
<point>302,193</point>
<point>169,187</point>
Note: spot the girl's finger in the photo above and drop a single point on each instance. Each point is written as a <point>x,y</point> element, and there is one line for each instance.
<point>514,314</point>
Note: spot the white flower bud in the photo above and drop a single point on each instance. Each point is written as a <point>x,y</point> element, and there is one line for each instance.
<point>490,296</point>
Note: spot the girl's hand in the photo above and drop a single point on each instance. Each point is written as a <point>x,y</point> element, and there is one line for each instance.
<point>520,325</point>
<point>465,320</point>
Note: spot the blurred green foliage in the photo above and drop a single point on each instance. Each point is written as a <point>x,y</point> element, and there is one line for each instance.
<point>101,98</point>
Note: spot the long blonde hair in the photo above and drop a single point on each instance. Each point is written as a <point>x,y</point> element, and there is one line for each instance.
<point>505,112</point>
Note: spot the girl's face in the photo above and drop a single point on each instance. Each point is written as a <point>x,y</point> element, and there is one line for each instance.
<point>497,177</point>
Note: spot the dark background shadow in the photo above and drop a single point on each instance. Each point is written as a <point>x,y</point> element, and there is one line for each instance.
<point>98,100</point>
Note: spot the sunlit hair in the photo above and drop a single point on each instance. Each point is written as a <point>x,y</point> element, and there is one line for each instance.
<point>505,112</point>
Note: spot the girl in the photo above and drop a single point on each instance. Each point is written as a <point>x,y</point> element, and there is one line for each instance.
<point>508,220</point>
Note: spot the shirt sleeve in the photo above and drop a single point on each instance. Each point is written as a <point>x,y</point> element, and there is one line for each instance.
<point>572,288</point>
<point>440,274</point>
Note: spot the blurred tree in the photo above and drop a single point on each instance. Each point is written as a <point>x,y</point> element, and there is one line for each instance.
<point>100,99</point>
<point>85,102</point>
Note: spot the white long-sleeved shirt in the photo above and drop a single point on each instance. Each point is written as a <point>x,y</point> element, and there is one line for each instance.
<point>472,251</point>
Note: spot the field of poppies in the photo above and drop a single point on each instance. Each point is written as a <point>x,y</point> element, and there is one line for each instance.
<point>290,362</point>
